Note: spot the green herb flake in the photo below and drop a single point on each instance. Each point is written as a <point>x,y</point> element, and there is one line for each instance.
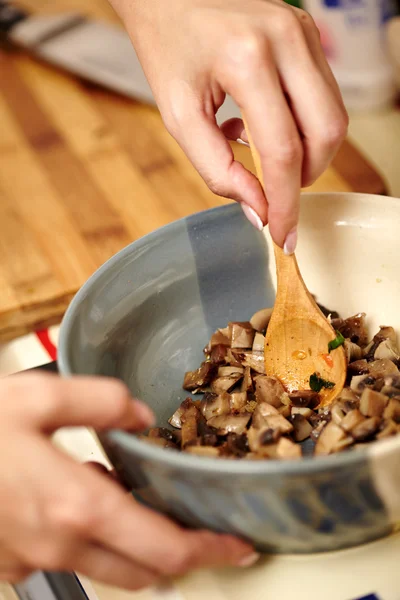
<point>338,341</point>
<point>317,383</point>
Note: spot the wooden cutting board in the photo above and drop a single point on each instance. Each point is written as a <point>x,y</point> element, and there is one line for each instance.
<point>84,172</point>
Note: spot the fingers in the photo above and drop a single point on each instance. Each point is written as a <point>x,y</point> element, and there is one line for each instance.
<point>108,567</point>
<point>313,94</point>
<point>209,151</point>
<point>50,402</point>
<point>251,78</point>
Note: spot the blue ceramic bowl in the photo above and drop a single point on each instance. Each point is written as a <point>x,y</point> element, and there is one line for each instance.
<point>147,313</point>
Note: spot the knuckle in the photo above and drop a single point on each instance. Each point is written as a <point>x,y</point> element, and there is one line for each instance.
<point>308,22</point>
<point>335,131</point>
<point>288,152</point>
<point>75,512</point>
<point>287,24</point>
<point>245,52</point>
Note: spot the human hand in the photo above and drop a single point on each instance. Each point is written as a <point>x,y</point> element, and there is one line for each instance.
<point>267,56</point>
<point>58,515</point>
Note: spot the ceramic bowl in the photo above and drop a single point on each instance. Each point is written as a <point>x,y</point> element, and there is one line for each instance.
<point>145,316</point>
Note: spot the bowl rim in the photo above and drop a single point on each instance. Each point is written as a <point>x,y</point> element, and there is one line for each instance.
<point>176,459</point>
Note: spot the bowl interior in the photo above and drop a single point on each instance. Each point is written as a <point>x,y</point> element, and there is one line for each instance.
<point>148,312</point>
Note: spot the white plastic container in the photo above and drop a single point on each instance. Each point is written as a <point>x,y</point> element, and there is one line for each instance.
<point>353,34</point>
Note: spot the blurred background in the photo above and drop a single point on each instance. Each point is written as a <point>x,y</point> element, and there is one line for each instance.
<point>86,165</point>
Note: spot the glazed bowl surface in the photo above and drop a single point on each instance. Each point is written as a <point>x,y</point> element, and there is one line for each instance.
<point>145,317</point>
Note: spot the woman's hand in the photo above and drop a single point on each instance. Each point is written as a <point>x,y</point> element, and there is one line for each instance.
<point>56,514</point>
<point>267,56</point>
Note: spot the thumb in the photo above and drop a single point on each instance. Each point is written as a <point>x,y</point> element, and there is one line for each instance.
<point>210,153</point>
<point>50,402</point>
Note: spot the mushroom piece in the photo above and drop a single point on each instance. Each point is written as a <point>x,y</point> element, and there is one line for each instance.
<point>238,401</point>
<point>269,389</point>
<point>318,429</point>
<point>279,422</point>
<point>259,438</point>
<point>337,413</point>
<point>372,404</point>
<point>261,411</point>
<point>258,343</point>
<point>241,334</point>
<point>236,446</point>
<point>175,420</point>
<point>214,405</point>
<point>259,321</point>
<point>247,383</point>
<point>329,437</point>
<point>286,449</point>
<point>225,383</point>
<point>166,434</point>
<point>343,444</point>
<point>220,337</point>
<point>392,410</point>
<point>387,429</point>
<point>358,367</point>
<point>218,354</point>
<point>254,360</point>
<point>285,411</point>
<point>352,420</point>
<point>366,429</point>
<point>301,428</point>
<point>387,349</point>
<point>189,420</point>
<point>353,351</point>
<point>359,382</point>
<point>304,398</point>
<point>228,371</point>
<point>225,424</point>
<point>302,410</point>
<point>159,441</point>
<point>201,377</point>
<point>383,367</point>
<point>353,328</point>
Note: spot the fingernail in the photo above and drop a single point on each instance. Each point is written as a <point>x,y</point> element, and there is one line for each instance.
<point>240,141</point>
<point>252,216</point>
<point>248,560</point>
<point>290,243</point>
<point>144,414</point>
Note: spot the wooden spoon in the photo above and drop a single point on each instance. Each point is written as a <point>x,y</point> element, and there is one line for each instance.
<point>298,334</point>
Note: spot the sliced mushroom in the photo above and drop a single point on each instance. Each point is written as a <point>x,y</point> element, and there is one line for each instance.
<point>201,377</point>
<point>189,420</point>
<point>259,321</point>
<point>302,410</point>
<point>365,430</point>
<point>353,351</point>
<point>225,424</point>
<point>301,428</point>
<point>247,383</point>
<point>258,343</point>
<point>387,349</point>
<point>218,354</point>
<point>166,434</point>
<point>285,411</point>
<point>352,420</point>
<point>241,334</point>
<point>261,412</point>
<point>305,398</point>
<point>214,405</point>
<point>392,410</point>
<point>238,401</point>
<point>337,413</point>
<point>258,439</point>
<point>353,328</point>
<point>220,337</point>
<point>254,360</point>
<point>228,371</point>
<point>330,436</point>
<point>372,404</point>
<point>269,389</point>
<point>387,429</point>
<point>342,444</point>
<point>359,382</point>
<point>226,383</point>
<point>175,420</point>
<point>286,449</point>
<point>358,367</point>
<point>318,429</point>
<point>159,441</point>
<point>235,446</point>
<point>383,367</point>
<point>279,422</point>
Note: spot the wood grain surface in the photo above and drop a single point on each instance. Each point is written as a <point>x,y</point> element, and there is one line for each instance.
<point>83,172</point>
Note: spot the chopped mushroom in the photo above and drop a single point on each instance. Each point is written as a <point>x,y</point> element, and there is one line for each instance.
<point>301,428</point>
<point>230,423</point>
<point>330,436</point>
<point>195,380</point>
<point>269,389</point>
<point>372,404</point>
<point>241,335</point>
<point>259,321</point>
<point>245,413</point>
<point>214,405</point>
<point>258,343</point>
